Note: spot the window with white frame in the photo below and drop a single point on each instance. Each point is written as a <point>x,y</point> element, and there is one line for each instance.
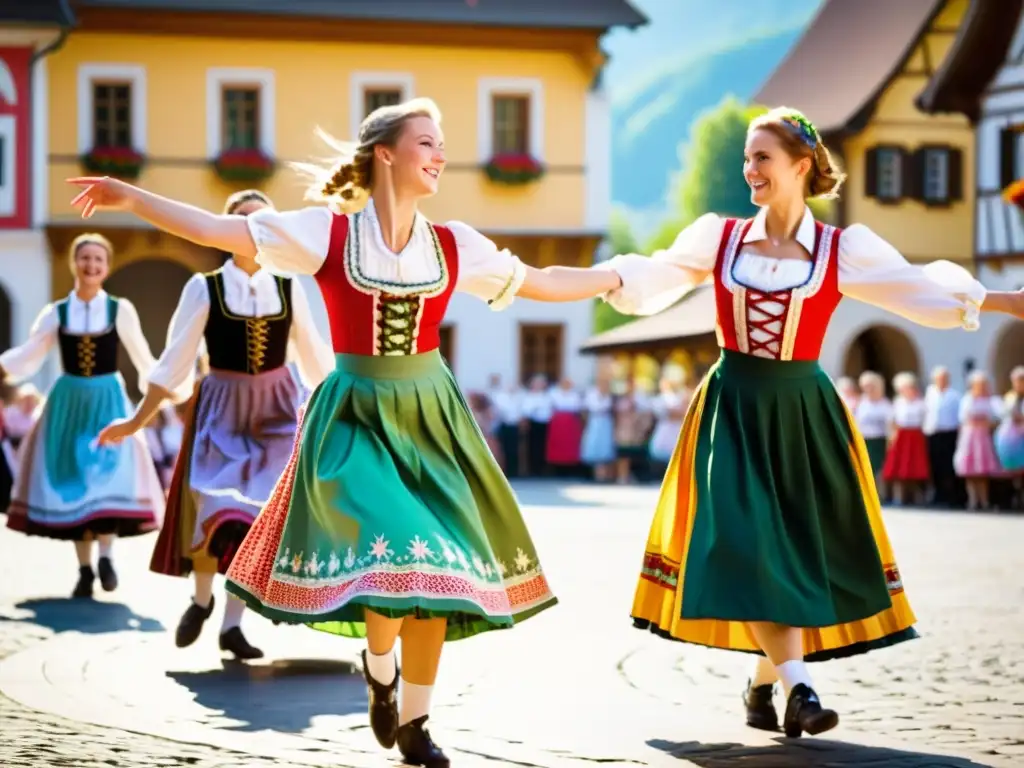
<point>935,186</point>
<point>890,173</point>
<point>8,165</point>
<point>510,117</point>
<point>240,110</point>
<point>371,90</point>
<point>111,107</point>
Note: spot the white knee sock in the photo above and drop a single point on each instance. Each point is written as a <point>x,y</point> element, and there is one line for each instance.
<point>106,547</point>
<point>413,701</point>
<point>233,611</point>
<point>381,668</point>
<point>764,673</point>
<point>792,673</point>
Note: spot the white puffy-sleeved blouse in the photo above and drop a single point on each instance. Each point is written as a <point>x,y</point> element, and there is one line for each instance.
<point>246,296</point>
<point>296,242</point>
<point>869,269</point>
<point>908,414</point>
<point>83,317</point>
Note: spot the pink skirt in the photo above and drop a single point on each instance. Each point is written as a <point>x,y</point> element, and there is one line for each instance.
<point>565,433</point>
<point>976,453</point>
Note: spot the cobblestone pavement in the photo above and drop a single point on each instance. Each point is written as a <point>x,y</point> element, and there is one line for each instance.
<point>90,684</point>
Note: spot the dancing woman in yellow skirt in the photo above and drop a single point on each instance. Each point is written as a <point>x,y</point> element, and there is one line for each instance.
<point>767,537</point>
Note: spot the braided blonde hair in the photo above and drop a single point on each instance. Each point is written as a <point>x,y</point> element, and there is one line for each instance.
<point>345,184</point>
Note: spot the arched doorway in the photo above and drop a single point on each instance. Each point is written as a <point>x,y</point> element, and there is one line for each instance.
<point>1007,354</point>
<point>883,349</point>
<point>154,287</point>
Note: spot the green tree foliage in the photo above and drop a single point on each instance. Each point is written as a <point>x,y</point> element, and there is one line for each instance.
<point>621,240</point>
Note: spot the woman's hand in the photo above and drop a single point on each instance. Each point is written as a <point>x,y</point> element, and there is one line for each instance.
<point>1005,302</point>
<point>116,431</point>
<point>101,192</point>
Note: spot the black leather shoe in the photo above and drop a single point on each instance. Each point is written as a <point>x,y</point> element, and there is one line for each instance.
<point>191,623</point>
<point>108,576</point>
<point>234,641</point>
<point>804,713</point>
<point>383,707</point>
<point>83,588</point>
<point>418,748</point>
<point>761,712</point>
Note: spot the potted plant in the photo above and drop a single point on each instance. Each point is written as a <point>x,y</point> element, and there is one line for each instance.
<point>121,162</point>
<point>513,169</point>
<point>246,165</point>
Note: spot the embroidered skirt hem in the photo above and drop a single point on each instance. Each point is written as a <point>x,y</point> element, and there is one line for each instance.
<point>391,502</point>
<point>768,512</point>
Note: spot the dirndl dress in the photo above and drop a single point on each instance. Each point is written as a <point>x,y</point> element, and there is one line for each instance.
<point>975,455</point>
<point>66,486</point>
<point>239,431</point>
<point>597,444</point>
<point>391,500</point>
<point>1009,437</point>
<point>771,476</point>
<point>565,432</point>
<point>907,459</point>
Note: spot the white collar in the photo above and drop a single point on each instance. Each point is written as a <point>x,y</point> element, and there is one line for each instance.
<point>233,272</point>
<point>96,300</point>
<point>378,237</point>
<point>805,233</point>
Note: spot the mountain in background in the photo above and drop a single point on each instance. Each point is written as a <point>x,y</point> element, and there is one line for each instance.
<point>731,47</point>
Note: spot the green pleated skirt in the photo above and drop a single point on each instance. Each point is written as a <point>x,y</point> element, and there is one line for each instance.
<point>391,502</point>
<point>769,513</point>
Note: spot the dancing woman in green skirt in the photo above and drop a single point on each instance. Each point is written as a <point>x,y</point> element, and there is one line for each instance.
<point>392,517</point>
<point>768,536</point>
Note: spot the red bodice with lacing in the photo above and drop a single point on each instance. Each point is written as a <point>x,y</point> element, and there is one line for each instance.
<point>365,319</point>
<point>788,324</point>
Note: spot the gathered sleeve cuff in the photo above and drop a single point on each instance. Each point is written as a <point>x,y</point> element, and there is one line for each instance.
<point>176,369</point>
<point>313,356</point>
<point>291,242</point>
<point>938,295</point>
<point>23,361</point>
<point>490,274</point>
<point>652,284</point>
<point>129,331</point>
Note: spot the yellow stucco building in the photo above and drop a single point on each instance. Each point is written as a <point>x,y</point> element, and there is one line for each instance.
<point>170,89</point>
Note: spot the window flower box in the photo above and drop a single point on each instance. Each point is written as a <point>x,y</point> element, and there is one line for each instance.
<point>120,162</point>
<point>513,169</point>
<point>1014,193</point>
<point>246,165</point>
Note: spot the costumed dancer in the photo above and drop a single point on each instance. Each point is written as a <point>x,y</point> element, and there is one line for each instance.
<point>242,421</point>
<point>873,417</point>
<point>566,430</point>
<point>392,516</point>
<point>777,545</point>
<point>66,486</point>
<point>975,459</point>
<point>906,465</point>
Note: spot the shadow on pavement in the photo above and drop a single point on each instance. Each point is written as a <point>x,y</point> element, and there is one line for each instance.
<point>805,753</point>
<point>284,695</point>
<point>86,616</point>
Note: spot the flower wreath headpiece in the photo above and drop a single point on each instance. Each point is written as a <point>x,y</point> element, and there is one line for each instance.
<point>803,127</point>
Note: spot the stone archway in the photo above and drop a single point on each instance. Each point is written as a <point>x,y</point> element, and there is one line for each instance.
<point>154,287</point>
<point>1007,354</point>
<point>883,349</point>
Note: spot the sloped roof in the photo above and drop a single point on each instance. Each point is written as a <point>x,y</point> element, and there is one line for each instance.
<point>980,48</point>
<point>570,14</point>
<point>693,315</point>
<point>36,12</point>
<point>846,56</point>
